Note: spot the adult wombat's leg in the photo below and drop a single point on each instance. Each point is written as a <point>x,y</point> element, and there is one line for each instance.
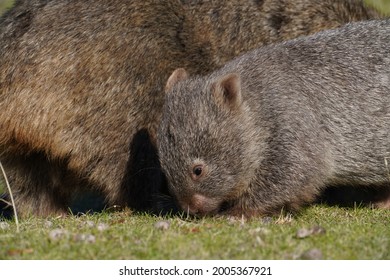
<point>40,187</point>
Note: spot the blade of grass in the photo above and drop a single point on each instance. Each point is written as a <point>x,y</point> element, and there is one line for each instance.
<point>11,197</point>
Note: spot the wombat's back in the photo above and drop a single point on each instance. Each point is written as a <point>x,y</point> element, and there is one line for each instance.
<point>336,85</point>
<point>245,26</point>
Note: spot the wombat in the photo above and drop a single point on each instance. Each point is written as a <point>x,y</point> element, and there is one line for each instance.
<point>274,127</point>
<point>82,85</point>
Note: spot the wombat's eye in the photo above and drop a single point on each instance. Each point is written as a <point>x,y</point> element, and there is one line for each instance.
<point>198,171</point>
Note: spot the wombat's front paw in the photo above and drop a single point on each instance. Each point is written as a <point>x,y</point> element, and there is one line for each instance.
<point>384,204</point>
<point>236,212</point>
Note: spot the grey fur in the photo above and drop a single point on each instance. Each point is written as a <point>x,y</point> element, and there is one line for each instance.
<point>307,114</point>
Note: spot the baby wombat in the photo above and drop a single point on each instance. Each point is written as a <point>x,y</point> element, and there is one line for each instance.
<point>274,127</point>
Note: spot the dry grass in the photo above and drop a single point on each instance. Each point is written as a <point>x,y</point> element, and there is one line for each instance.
<point>11,197</point>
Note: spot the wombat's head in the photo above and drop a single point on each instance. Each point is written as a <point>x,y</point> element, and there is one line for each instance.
<point>206,142</point>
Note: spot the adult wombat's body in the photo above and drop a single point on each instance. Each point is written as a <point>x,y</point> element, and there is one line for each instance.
<point>81,84</point>
<point>274,127</point>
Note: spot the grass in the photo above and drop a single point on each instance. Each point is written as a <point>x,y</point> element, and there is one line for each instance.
<point>12,202</point>
<point>5,4</point>
<point>380,5</point>
<point>359,233</point>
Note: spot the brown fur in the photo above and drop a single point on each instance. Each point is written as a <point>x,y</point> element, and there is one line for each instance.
<point>81,84</point>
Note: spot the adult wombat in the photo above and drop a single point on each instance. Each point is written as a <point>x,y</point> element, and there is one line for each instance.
<point>274,127</point>
<point>81,85</point>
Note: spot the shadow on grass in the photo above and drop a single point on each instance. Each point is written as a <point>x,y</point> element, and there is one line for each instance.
<point>352,196</point>
<point>342,196</point>
<point>88,203</point>
<point>143,187</point>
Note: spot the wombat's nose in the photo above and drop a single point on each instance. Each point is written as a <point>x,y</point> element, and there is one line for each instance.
<point>201,205</point>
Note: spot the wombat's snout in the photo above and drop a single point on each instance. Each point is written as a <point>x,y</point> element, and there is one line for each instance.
<point>200,205</point>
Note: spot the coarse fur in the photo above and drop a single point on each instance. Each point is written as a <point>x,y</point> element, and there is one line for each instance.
<point>274,127</point>
<point>82,85</point>
<point>225,29</point>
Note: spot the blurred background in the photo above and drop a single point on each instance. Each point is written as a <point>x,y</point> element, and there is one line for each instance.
<point>4,4</point>
<point>382,5</point>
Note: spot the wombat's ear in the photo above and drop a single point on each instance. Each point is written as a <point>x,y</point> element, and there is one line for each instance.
<point>227,91</point>
<point>180,74</point>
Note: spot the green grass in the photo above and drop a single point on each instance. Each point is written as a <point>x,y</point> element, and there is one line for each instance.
<point>5,4</point>
<point>359,233</point>
<point>380,5</point>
